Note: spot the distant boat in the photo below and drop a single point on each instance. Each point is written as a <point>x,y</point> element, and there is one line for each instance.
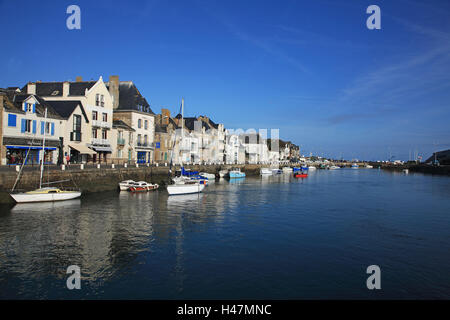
<point>236,173</point>
<point>186,187</point>
<point>312,168</point>
<point>142,186</point>
<point>209,176</point>
<point>355,166</point>
<point>223,173</point>
<point>287,169</point>
<point>368,166</point>
<point>334,167</point>
<point>265,171</point>
<point>301,174</point>
<point>277,171</point>
<point>125,185</point>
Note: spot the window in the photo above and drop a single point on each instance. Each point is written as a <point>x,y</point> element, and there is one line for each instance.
<point>12,120</point>
<point>139,139</point>
<point>105,117</point>
<point>27,124</point>
<point>104,134</point>
<point>94,115</point>
<point>146,124</point>
<point>76,123</point>
<point>145,140</point>
<point>102,100</point>
<point>119,153</point>
<point>130,137</point>
<point>47,127</point>
<point>139,123</point>
<point>97,99</point>
<point>94,133</point>
<point>120,134</point>
<point>29,107</point>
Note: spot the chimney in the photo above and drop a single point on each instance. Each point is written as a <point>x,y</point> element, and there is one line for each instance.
<point>31,88</point>
<point>79,79</point>
<point>66,86</point>
<point>114,90</point>
<point>165,115</point>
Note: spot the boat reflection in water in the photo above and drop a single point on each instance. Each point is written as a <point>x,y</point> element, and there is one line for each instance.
<point>60,206</point>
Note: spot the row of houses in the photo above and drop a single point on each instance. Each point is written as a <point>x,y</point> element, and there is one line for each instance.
<point>104,122</point>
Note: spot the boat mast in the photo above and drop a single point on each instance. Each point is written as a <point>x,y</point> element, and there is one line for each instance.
<point>43,149</point>
<point>182,129</point>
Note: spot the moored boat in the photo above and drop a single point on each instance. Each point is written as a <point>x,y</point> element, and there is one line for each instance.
<point>186,187</point>
<point>265,171</point>
<point>142,186</point>
<point>223,173</point>
<point>45,194</point>
<point>334,167</point>
<point>355,166</point>
<point>236,173</point>
<point>209,176</point>
<point>287,169</point>
<point>125,185</point>
<point>312,168</point>
<point>300,174</point>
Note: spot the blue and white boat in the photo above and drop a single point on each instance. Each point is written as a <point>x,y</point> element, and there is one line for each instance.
<point>236,173</point>
<point>355,166</point>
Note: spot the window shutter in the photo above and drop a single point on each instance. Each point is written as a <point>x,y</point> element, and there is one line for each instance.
<point>22,128</point>
<point>34,107</point>
<point>53,129</point>
<point>34,126</point>
<point>42,127</point>
<point>12,118</point>
<point>25,107</point>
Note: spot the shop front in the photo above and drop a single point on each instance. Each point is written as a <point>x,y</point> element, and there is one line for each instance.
<point>17,155</point>
<point>80,153</point>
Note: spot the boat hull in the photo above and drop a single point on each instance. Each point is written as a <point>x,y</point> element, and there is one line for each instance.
<point>178,189</point>
<point>300,175</point>
<point>47,197</point>
<point>236,175</point>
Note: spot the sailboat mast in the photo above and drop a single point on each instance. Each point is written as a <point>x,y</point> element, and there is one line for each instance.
<point>182,129</point>
<point>43,149</point>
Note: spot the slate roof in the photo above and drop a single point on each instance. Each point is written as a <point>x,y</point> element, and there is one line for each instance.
<point>120,124</point>
<point>160,128</point>
<point>15,100</point>
<point>130,98</point>
<point>66,108</point>
<point>55,89</point>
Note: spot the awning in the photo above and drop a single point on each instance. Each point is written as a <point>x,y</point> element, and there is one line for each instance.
<point>82,149</point>
<point>102,149</point>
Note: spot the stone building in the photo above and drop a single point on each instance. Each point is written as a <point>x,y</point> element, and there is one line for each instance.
<point>165,131</point>
<point>133,109</point>
<point>122,141</point>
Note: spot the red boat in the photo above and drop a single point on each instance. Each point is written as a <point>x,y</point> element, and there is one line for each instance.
<point>300,175</point>
<point>143,186</point>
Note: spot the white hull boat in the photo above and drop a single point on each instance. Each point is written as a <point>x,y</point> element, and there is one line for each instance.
<point>125,185</point>
<point>287,169</point>
<point>265,171</point>
<point>311,168</point>
<point>368,166</point>
<point>186,188</point>
<point>209,176</point>
<point>45,195</point>
<point>334,167</point>
<point>223,173</point>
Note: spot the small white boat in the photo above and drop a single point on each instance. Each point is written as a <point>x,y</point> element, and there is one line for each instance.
<point>276,171</point>
<point>355,166</point>
<point>311,168</point>
<point>236,173</point>
<point>334,167</point>
<point>125,185</point>
<point>142,186</point>
<point>287,169</point>
<point>265,171</point>
<point>368,166</point>
<point>405,171</point>
<point>209,176</point>
<point>186,187</point>
<point>223,173</point>
<point>44,195</point>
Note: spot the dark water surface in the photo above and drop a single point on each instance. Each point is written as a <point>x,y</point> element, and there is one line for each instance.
<point>264,238</point>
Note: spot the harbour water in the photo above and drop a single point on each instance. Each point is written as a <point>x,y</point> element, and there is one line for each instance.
<point>273,237</point>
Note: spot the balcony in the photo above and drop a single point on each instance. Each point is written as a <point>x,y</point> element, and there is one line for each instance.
<point>102,142</point>
<point>120,141</point>
<point>75,136</point>
<point>101,124</point>
<point>144,145</point>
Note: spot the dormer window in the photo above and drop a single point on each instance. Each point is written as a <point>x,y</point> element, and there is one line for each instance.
<point>55,93</point>
<point>30,107</point>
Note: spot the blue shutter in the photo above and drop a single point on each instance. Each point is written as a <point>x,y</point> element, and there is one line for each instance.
<point>34,126</point>
<point>53,129</point>
<point>34,107</point>
<point>22,128</point>
<point>12,120</point>
<point>42,127</point>
<point>25,107</point>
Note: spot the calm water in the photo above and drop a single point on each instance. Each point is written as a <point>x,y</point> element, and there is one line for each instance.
<point>271,237</point>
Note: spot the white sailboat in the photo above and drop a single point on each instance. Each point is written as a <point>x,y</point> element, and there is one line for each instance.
<point>184,185</point>
<point>43,194</point>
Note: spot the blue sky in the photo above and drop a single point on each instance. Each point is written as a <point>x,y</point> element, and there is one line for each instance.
<point>310,68</point>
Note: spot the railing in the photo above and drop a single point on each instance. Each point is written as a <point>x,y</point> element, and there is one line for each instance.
<point>101,124</point>
<point>120,141</point>
<point>100,141</point>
